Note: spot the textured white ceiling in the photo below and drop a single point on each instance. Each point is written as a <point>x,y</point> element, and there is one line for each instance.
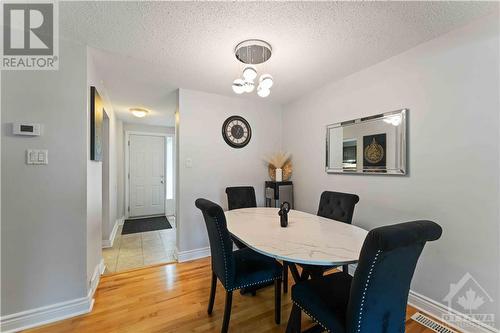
<point>190,44</point>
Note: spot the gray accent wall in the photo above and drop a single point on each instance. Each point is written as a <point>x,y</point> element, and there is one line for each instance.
<point>451,86</point>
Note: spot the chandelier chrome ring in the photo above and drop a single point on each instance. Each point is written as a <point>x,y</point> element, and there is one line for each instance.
<point>253,51</point>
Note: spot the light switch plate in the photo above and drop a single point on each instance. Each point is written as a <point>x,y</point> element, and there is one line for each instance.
<point>37,156</point>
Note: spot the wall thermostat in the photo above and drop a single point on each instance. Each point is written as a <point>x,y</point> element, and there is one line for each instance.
<point>26,129</point>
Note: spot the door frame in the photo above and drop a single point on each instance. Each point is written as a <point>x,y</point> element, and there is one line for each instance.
<point>127,166</point>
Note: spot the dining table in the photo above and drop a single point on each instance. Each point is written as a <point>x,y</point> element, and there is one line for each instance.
<point>309,240</point>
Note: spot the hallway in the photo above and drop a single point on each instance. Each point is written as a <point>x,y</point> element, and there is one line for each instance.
<point>140,249</point>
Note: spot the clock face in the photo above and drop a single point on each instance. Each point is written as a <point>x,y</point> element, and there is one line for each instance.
<point>236,132</point>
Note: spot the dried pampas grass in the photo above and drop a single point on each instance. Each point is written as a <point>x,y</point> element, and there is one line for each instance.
<point>282,161</point>
<point>278,160</point>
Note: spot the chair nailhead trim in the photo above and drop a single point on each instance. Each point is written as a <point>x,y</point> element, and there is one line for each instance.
<point>253,284</point>
<point>223,250</point>
<point>361,307</point>
<point>313,318</point>
<point>225,263</point>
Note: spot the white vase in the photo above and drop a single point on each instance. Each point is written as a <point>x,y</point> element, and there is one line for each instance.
<point>279,174</point>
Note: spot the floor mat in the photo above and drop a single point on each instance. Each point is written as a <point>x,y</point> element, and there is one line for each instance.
<point>145,224</point>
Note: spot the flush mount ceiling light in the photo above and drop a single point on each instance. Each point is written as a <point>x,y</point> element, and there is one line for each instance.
<point>139,112</point>
<point>253,52</point>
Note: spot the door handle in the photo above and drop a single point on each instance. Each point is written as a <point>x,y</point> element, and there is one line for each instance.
<point>162,181</point>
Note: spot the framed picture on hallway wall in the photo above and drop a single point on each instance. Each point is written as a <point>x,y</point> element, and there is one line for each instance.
<point>96,125</point>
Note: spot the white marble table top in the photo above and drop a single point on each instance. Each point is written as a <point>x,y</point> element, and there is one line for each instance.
<point>308,239</point>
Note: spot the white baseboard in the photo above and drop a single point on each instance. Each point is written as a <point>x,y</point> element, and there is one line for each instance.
<point>96,276</point>
<point>51,313</point>
<point>122,220</point>
<point>47,314</point>
<point>193,254</point>
<point>107,243</point>
<point>439,311</point>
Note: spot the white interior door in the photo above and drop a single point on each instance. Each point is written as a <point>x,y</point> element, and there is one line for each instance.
<point>147,175</point>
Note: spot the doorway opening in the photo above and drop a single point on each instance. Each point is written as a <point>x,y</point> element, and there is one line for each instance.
<point>148,234</point>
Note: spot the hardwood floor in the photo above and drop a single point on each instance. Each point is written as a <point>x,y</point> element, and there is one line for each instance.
<point>174,298</point>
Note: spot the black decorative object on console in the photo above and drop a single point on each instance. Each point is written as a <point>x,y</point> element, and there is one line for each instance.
<point>283,213</point>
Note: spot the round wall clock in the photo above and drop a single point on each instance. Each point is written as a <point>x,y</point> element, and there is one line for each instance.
<point>236,131</point>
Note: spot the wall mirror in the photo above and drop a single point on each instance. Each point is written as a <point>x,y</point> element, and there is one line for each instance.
<point>370,145</point>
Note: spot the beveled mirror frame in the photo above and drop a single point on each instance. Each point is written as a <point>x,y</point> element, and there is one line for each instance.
<point>402,170</point>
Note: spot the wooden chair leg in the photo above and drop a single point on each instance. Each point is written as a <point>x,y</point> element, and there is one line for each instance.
<point>277,301</point>
<point>294,322</point>
<point>227,311</point>
<point>212,293</point>
<point>285,277</point>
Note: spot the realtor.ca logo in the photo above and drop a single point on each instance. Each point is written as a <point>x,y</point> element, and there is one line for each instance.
<point>467,297</point>
<point>30,35</point>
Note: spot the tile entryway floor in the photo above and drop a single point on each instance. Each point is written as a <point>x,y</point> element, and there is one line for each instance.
<point>140,249</point>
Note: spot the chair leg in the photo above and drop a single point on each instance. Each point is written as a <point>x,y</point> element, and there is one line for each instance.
<point>277,301</point>
<point>227,311</point>
<point>295,272</point>
<point>345,269</point>
<point>316,273</point>
<point>213,287</point>
<point>285,277</point>
<point>294,322</point>
<point>304,275</point>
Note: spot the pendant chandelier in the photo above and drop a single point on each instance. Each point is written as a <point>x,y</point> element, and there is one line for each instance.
<point>253,52</point>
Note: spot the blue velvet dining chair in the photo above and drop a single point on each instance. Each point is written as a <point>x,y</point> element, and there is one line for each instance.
<point>238,269</point>
<point>374,300</point>
<point>336,206</point>
<point>240,197</point>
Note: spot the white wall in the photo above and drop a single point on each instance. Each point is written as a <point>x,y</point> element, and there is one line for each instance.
<point>120,169</point>
<point>103,212</point>
<point>215,164</point>
<point>44,207</point>
<point>94,183</point>
<point>451,86</point>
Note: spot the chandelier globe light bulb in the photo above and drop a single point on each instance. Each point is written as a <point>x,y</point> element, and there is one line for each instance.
<point>266,81</point>
<point>249,86</point>
<point>263,92</point>
<point>249,73</point>
<point>239,86</point>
